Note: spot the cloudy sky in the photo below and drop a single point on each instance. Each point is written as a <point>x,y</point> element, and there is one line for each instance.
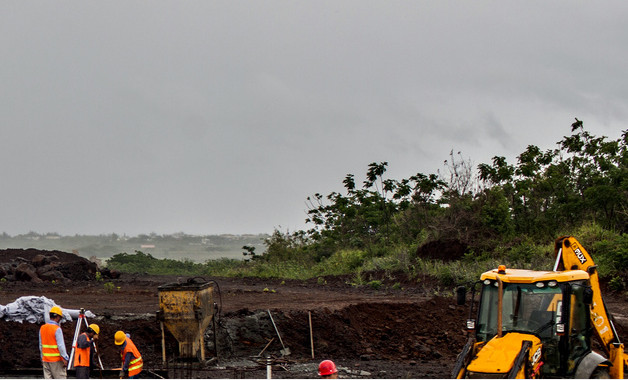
<point>210,117</point>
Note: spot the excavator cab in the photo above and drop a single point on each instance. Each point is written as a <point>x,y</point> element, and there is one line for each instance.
<point>532,324</point>
<point>536,309</point>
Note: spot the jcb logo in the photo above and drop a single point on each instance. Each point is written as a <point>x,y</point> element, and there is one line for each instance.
<point>580,256</point>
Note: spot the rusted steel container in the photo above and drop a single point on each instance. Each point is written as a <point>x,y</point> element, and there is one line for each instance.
<point>187,309</point>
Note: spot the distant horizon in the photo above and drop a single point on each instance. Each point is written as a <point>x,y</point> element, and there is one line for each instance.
<point>4,233</point>
<point>171,246</point>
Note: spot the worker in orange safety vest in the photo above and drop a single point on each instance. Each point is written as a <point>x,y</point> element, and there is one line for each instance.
<point>132,362</point>
<point>54,356</point>
<point>84,351</point>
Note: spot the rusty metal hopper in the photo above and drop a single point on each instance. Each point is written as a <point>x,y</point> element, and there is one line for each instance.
<point>186,309</point>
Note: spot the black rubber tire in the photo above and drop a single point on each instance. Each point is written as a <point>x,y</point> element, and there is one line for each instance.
<point>601,373</point>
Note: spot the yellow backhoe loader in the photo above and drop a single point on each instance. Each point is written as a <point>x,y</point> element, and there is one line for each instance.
<point>532,324</point>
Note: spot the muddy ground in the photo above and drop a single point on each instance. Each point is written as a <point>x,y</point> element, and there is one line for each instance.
<point>408,330</point>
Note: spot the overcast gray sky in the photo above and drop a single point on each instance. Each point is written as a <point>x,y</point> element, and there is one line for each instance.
<point>209,117</point>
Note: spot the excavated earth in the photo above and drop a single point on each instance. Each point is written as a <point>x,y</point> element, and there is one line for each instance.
<point>404,329</point>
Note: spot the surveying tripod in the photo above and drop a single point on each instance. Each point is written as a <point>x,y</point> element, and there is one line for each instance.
<point>77,332</point>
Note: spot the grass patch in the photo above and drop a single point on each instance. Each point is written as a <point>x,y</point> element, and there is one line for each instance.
<point>609,250</point>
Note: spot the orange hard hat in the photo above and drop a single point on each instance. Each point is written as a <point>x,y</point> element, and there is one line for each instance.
<point>327,367</point>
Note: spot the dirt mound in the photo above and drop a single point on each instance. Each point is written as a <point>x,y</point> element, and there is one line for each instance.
<point>39,266</point>
<point>446,250</point>
<point>380,331</point>
<point>414,333</point>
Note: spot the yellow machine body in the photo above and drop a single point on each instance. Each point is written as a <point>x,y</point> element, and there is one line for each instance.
<point>186,311</point>
<point>545,317</point>
<point>498,355</point>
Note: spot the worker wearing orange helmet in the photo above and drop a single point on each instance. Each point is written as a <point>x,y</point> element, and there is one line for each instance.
<point>327,370</point>
<point>132,362</point>
<point>54,356</point>
<point>84,352</point>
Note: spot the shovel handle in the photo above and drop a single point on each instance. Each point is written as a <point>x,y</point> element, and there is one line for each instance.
<point>277,331</point>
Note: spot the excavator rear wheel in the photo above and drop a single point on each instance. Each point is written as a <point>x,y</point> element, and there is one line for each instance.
<point>601,373</point>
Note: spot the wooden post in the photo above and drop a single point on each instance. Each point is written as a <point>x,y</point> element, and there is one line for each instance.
<point>202,338</point>
<point>163,342</point>
<point>265,347</point>
<point>309,316</point>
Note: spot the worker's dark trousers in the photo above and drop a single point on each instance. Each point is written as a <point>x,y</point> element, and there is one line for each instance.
<point>82,372</point>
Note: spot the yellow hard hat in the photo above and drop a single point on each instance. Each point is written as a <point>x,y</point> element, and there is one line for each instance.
<point>56,310</point>
<point>119,338</point>
<point>94,327</point>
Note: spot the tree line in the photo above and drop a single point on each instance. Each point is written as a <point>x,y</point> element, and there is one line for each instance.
<point>499,212</point>
<point>583,180</point>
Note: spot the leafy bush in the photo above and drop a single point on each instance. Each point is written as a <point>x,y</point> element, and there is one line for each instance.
<point>611,255</point>
<point>343,261</point>
<point>109,287</point>
<point>139,262</point>
<point>375,284</point>
<point>286,246</point>
<point>617,283</point>
<point>588,234</point>
<point>145,263</point>
<point>223,267</point>
<point>495,213</point>
<point>446,275</point>
<point>528,255</point>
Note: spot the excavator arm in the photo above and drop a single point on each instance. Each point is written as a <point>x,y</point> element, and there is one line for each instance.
<point>571,255</point>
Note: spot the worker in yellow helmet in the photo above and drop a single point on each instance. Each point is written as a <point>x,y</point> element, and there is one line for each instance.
<point>132,362</point>
<point>54,356</point>
<point>84,352</point>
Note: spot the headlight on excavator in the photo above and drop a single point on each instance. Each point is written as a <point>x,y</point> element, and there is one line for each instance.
<point>470,324</point>
<point>560,329</point>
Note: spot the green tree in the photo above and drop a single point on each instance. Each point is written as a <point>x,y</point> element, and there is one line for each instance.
<point>249,251</point>
<point>584,179</point>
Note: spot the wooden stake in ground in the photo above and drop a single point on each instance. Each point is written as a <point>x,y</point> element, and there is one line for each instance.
<point>265,347</point>
<point>163,342</point>
<point>309,316</point>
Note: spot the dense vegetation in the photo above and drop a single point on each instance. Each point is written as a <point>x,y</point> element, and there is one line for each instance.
<point>497,212</point>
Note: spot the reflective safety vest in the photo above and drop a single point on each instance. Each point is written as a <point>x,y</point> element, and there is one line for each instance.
<point>81,355</point>
<point>49,348</point>
<point>136,364</point>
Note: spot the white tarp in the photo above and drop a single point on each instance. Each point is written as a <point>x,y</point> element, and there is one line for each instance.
<point>35,309</point>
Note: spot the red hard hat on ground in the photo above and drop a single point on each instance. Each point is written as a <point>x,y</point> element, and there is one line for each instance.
<point>327,367</point>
